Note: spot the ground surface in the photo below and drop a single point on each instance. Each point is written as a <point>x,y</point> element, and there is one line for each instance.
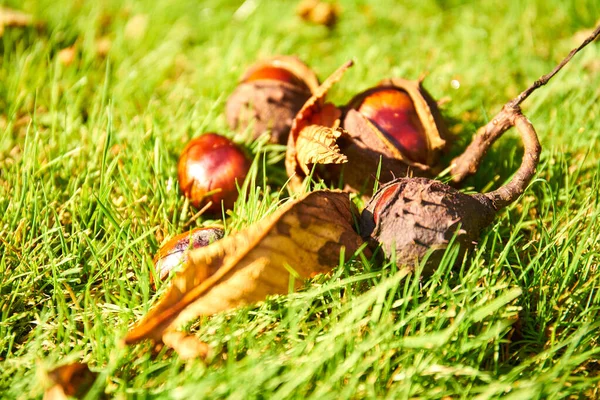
<point>88,191</point>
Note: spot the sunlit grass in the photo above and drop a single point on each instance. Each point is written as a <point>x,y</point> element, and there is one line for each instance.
<point>88,192</point>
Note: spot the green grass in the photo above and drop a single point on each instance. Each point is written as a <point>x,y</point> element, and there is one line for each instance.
<point>88,191</point>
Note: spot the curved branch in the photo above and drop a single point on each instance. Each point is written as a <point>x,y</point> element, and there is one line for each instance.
<point>508,193</point>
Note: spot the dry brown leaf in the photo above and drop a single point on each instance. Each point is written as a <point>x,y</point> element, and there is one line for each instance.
<point>313,112</point>
<point>13,18</point>
<point>302,239</point>
<point>317,144</point>
<point>71,380</point>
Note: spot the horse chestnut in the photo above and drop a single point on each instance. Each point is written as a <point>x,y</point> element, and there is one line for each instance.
<point>209,168</point>
<point>390,130</point>
<point>393,112</point>
<point>175,252</point>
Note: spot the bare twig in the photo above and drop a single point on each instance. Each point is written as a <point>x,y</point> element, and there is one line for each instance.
<point>468,162</point>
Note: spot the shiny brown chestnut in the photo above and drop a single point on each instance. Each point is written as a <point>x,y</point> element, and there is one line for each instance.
<point>209,170</point>
<point>175,252</point>
<point>269,95</point>
<point>393,113</point>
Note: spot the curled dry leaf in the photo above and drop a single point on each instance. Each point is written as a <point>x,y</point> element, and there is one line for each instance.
<point>302,239</point>
<point>316,144</point>
<point>313,112</point>
<point>71,380</point>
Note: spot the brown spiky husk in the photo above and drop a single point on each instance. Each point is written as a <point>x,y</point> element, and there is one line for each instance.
<point>270,105</point>
<point>422,216</point>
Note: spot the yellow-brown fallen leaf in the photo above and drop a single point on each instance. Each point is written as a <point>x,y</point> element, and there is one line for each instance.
<point>312,113</point>
<point>71,380</point>
<point>302,239</point>
<point>13,18</point>
<point>316,144</point>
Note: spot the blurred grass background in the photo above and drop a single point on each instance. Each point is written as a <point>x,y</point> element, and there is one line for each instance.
<point>89,140</point>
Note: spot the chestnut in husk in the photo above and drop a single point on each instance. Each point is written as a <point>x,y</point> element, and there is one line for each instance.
<point>394,128</point>
<point>404,117</point>
<point>209,170</point>
<point>410,217</point>
<point>175,252</point>
<point>269,95</point>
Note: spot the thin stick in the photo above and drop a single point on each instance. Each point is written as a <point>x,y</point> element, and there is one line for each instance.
<point>468,162</point>
<point>544,79</point>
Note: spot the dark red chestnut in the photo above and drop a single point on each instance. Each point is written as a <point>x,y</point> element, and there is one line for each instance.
<point>392,111</point>
<point>403,118</point>
<point>175,252</point>
<point>209,168</point>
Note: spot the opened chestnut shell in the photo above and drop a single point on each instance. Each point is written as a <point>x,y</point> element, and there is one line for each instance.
<point>269,95</point>
<point>403,116</point>
<point>393,129</point>
<point>210,168</point>
<point>175,252</point>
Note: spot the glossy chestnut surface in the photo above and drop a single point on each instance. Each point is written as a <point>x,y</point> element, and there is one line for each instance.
<point>392,111</point>
<point>269,72</point>
<point>382,199</point>
<point>175,252</point>
<point>209,168</point>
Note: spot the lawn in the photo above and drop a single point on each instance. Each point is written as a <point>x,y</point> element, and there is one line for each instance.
<point>89,142</point>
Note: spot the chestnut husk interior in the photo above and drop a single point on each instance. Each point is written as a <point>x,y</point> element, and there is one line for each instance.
<point>422,215</point>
